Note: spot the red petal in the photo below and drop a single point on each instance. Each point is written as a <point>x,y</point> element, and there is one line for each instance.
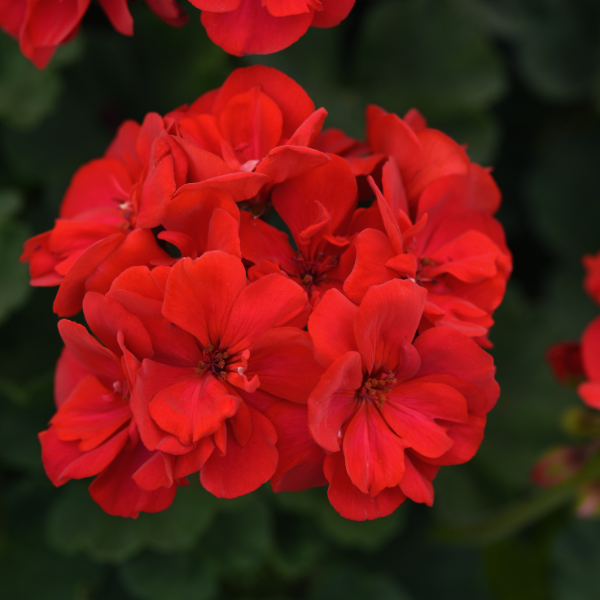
<point>91,415</point>
<point>466,437</point>
<point>590,350</point>
<point>374,455</point>
<point>97,184</point>
<point>156,472</point>
<point>286,162</point>
<point>118,14</point>
<point>294,103</point>
<point>333,185</point>
<point>334,400</point>
<point>105,318</point>
<point>446,351</point>
<point>72,290</point>
<point>243,468</point>
<point>349,501</point>
<point>300,465</point>
<point>284,362</point>
<point>386,320</point>
<point>88,352</point>
<point>193,407</point>
<point>152,379</point>
<point>331,327</point>
<point>417,430</point>
<point>206,316</point>
<point>333,13</point>
<point>417,480</point>
<point>69,372</point>
<point>118,494</point>
<point>271,301</point>
<point>138,248</point>
<point>64,460</point>
<point>373,251</point>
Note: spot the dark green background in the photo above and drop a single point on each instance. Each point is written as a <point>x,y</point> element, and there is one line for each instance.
<point>516,80</point>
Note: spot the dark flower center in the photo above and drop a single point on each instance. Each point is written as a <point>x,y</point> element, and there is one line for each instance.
<point>313,272</point>
<point>214,362</point>
<point>375,388</point>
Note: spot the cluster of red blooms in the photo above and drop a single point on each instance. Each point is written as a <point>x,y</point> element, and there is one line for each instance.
<point>238,26</point>
<point>578,363</point>
<point>347,353</point>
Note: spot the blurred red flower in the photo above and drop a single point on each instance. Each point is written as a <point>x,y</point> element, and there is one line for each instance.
<point>43,25</point>
<point>266,26</point>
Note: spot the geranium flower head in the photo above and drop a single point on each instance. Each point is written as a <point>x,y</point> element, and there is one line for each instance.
<point>93,432</point>
<point>266,26</point>
<point>390,409</point>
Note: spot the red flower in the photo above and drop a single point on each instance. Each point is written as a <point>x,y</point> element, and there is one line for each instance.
<point>265,26</point>
<point>390,411</point>
<point>565,363</point>
<point>591,283</point>
<point>316,207</point>
<point>92,432</point>
<point>590,356</point>
<point>223,355</point>
<point>239,141</point>
<point>257,125</point>
<point>422,154</point>
<point>42,25</point>
<point>457,253</point>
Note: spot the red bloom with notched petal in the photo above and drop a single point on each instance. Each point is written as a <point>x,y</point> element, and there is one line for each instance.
<point>93,433</point>
<point>265,26</point>
<point>42,25</point>
<point>258,127</point>
<point>317,207</point>
<point>234,144</point>
<point>455,252</point>
<point>391,409</point>
<point>225,356</point>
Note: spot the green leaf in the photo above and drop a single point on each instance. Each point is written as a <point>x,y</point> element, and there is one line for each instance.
<point>240,539</point>
<point>576,561</point>
<point>27,95</point>
<point>432,51</point>
<point>77,524</point>
<point>169,577</point>
<point>14,275</point>
<point>353,584</point>
<point>366,535</point>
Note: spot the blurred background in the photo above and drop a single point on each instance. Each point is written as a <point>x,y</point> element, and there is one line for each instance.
<point>518,81</point>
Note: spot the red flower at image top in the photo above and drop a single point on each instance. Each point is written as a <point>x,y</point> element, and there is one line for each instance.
<point>42,25</point>
<point>238,26</point>
<point>266,26</point>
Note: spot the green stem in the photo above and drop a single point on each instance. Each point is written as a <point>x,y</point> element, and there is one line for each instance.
<point>507,521</point>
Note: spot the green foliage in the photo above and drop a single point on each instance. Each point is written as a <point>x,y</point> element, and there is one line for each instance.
<point>516,80</point>
<point>77,525</point>
<point>14,277</point>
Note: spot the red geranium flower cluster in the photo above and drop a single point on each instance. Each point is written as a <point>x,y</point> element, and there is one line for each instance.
<point>238,26</point>
<point>578,363</point>
<point>346,353</point>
